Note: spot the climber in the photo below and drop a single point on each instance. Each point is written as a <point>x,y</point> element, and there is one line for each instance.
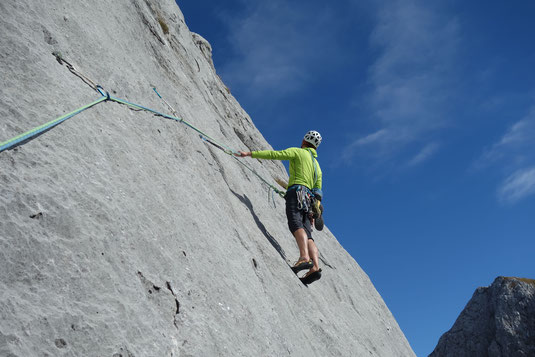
<point>302,198</point>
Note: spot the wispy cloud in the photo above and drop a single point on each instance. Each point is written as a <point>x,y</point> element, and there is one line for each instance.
<point>411,79</point>
<point>518,185</point>
<point>515,155</point>
<point>425,153</point>
<point>516,145</point>
<point>276,45</point>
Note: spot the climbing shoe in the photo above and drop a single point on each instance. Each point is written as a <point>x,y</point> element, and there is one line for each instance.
<point>302,265</point>
<point>311,277</point>
<point>318,221</point>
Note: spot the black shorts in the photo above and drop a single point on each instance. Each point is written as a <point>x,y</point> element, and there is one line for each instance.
<point>296,218</point>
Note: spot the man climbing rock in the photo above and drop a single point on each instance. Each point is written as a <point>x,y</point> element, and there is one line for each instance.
<point>304,188</point>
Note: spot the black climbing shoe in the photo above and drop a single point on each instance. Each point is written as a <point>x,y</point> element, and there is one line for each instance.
<point>318,223</point>
<point>309,278</point>
<point>302,265</point>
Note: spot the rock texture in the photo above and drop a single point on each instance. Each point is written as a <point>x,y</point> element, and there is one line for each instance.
<point>498,321</point>
<point>123,233</point>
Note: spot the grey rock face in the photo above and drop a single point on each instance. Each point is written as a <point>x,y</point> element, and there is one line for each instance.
<point>498,321</point>
<point>124,234</point>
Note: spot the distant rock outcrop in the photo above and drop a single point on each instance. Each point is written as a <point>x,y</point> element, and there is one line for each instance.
<point>499,321</point>
<point>123,233</point>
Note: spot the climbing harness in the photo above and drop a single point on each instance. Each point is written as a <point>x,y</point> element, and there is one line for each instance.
<point>105,96</point>
<point>304,196</point>
<point>303,199</point>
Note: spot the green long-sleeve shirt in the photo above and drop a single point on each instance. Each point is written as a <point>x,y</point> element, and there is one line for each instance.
<point>301,165</point>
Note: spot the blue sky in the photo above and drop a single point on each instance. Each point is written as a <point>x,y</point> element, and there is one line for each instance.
<point>427,110</point>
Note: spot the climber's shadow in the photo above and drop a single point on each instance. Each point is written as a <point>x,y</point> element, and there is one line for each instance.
<point>245,200</point>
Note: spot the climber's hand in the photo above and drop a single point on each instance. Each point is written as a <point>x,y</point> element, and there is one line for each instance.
<point>243,153</point>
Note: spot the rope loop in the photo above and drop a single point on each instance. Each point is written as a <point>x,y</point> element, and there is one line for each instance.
<point>103,92</point>
<point>105,96</point>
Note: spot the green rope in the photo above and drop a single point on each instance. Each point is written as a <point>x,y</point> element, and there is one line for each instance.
<point>279,192</point>
<point>208,139</point>
<point>12,143</point>
<point>225,148</point>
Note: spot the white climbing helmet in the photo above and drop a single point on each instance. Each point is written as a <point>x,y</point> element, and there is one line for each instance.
<point>313,137</point>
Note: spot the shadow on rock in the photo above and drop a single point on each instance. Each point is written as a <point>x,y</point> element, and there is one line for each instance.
<point>247,202</point>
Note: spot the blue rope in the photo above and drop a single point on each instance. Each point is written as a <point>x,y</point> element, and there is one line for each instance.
<point>9,144</point>
<point>154,88</point>
<point>105,97</point>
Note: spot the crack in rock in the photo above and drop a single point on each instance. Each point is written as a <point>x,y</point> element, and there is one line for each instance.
<point>168,284</point>
<point>160,298</point>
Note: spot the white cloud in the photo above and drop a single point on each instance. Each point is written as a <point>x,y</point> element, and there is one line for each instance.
<point>411,80</point>
<point>515,156</point>
<point>516,145</point>
<point>372,138</point>
<point>379,145</point>
<point>518,185</point>
<point>363,145</point>
<point>425,153</point>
